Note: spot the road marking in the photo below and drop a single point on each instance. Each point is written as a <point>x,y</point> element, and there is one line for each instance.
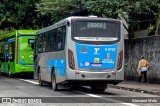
<point>91,95</point>
<point>129,104</point>
<point>116,101</point>
<point>30,81</point>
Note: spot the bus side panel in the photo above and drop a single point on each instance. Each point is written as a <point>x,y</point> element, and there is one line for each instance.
<point>120,73</point>
<point>23,69</point>
<point>41,65</point>
<point>3,67</point>
<point>52,60</point>
<point>12,67</point>
<point>59,66</point>
<point>6,66</point>
<point>70,45</point>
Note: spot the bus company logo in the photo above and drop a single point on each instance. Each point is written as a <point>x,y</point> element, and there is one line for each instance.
<point>83,50</point>
<point>6,100</point>
<point>86,63</point>
<point>96,50</point>
<point>96,60</point>
<point>108,56</point>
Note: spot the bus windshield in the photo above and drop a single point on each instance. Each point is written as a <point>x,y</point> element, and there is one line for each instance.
<point>25,42</point>
<point>96,31</point>
<point>25,50</point>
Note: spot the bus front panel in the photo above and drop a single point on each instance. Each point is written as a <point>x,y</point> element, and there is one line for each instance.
<point>25,54</point>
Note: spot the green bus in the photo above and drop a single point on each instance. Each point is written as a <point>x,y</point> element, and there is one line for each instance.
<point>16,53</point>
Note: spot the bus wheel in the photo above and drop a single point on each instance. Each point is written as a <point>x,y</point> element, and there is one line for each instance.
<point>39,79</point>
<point>54,85</point>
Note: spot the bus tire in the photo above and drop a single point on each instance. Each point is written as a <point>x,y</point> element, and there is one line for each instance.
<point>39,79</point>
<point>53,81</point>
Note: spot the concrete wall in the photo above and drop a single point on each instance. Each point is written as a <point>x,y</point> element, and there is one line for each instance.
<point>149,47</point>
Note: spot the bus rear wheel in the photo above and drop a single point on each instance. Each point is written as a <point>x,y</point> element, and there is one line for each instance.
<point>54,84</point>
<point>39,79</point>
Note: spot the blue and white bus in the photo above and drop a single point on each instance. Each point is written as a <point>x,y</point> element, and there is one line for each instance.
<point>81,51</point>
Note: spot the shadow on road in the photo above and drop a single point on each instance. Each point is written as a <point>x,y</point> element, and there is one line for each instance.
<point>62,88</point>
<point>88,90</point>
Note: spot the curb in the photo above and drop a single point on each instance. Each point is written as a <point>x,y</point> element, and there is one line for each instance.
<point>135,90</point>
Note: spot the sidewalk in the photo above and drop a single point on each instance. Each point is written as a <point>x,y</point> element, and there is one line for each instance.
<point>136,87</point>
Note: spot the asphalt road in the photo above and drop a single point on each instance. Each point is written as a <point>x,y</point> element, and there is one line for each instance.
<point>28,89</point>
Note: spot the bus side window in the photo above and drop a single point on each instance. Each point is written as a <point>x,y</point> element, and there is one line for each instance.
<point>61,38</point>
<point>1,53</point>
<point>2,58</point>
<point>11,51</point>
<point>49,41</point>
<point>44,42</point>
<point>7,52</point>
<point>40,43</point>
<point>47,37</point>
<point>53,40</point>
<point>59,43</point>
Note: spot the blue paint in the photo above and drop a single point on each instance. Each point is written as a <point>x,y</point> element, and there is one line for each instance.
<point>59,65</point>
<point>96,56</point>
<point>11,40</point>
<point>22,62</point>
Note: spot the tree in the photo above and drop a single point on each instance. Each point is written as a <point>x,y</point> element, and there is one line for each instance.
<point>142,14</point>
<point>18,14</point>
<point>106,8</point>
<point>63,8</point>
<point>59,9</point>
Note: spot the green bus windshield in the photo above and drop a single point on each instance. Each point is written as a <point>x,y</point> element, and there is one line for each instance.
<point>25,50</point>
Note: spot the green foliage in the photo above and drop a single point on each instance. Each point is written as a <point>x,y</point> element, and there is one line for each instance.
<point>19,14</point>
<point>35,14</point>
<point>4,31</point>
<point>59,9</point>
<point>106,8</point>
<point>137,8</point>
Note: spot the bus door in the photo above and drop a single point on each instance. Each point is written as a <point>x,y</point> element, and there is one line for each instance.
<point>11,56</point>
<point>1,56</point>
<point>8,55</point>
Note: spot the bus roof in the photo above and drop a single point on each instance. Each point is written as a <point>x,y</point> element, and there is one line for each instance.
<point>20,32</point>
<point>62,22</point>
